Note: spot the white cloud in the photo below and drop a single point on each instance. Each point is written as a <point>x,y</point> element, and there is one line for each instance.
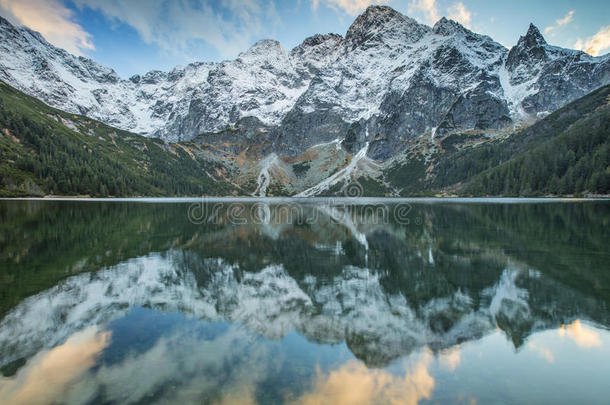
<point>459,13</point>
<point>174,24</point>
<point>560,22</point>
<point>52,19</point>
<point>430,11</point>
<point>595,44</point>
<point>427,7</point>
<point>542,351</point>
<point>450,359</point>
<point>566,19</point>
<point>351,7</point>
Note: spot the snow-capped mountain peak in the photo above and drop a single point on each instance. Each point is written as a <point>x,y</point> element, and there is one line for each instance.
<point>532,38</point>
<point>448,27</point>
<point>382,25</point>
<point>390,77</point>
<point>530,49</point>
<point>263,50</point>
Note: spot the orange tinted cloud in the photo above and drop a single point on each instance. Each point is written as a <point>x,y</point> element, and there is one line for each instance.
<point>53,20</point>
<point>356,384</point>
<point>583,336</point>
<point>596,44</point>
<point>48,375</point>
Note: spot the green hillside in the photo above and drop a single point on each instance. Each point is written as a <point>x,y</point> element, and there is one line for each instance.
<point>566,153</point>
<point>46,151</point>
<point>575,161</point>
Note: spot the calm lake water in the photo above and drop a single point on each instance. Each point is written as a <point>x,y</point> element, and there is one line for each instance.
<point>321,302</point>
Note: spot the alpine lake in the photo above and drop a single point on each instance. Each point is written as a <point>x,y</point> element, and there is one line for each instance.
<point>305,301</point>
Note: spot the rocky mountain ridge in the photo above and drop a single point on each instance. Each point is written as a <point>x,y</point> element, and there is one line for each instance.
<point>388,81</point>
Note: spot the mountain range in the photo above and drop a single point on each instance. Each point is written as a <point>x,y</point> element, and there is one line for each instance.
<point>335,110</point>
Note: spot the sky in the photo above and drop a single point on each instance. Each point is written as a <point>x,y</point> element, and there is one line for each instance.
<point>136,36</point>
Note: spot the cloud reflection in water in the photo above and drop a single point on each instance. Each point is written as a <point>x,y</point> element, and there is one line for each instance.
<point>47,376</point>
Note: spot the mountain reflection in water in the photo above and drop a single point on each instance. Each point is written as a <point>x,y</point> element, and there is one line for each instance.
<point>304,303</point>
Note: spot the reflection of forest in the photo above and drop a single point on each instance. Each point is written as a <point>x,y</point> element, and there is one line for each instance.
<point>525,267</point>
<point>42,242</point>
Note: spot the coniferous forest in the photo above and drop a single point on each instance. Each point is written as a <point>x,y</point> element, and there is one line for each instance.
<point>40,155</point>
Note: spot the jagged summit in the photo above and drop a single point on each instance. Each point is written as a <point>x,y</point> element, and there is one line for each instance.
<point>446,27</point>
<point>374,17</point>
<point>378,23</point>
<point>263,47</point>
<point>530,50</point>
<point>532,38</point>
<point>377,11</point>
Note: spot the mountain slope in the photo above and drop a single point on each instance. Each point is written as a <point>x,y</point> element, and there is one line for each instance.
<point>46,151</point>
<point>388,81</point>
<point>570,144</point>
<point>575,161</point>
<point>566,153</point>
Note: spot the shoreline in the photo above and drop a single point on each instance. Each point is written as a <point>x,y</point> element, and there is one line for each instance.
<point>351,200</point>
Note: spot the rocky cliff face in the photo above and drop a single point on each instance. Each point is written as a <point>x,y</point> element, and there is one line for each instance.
<point>540,78</point>
<point>389,81</point>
